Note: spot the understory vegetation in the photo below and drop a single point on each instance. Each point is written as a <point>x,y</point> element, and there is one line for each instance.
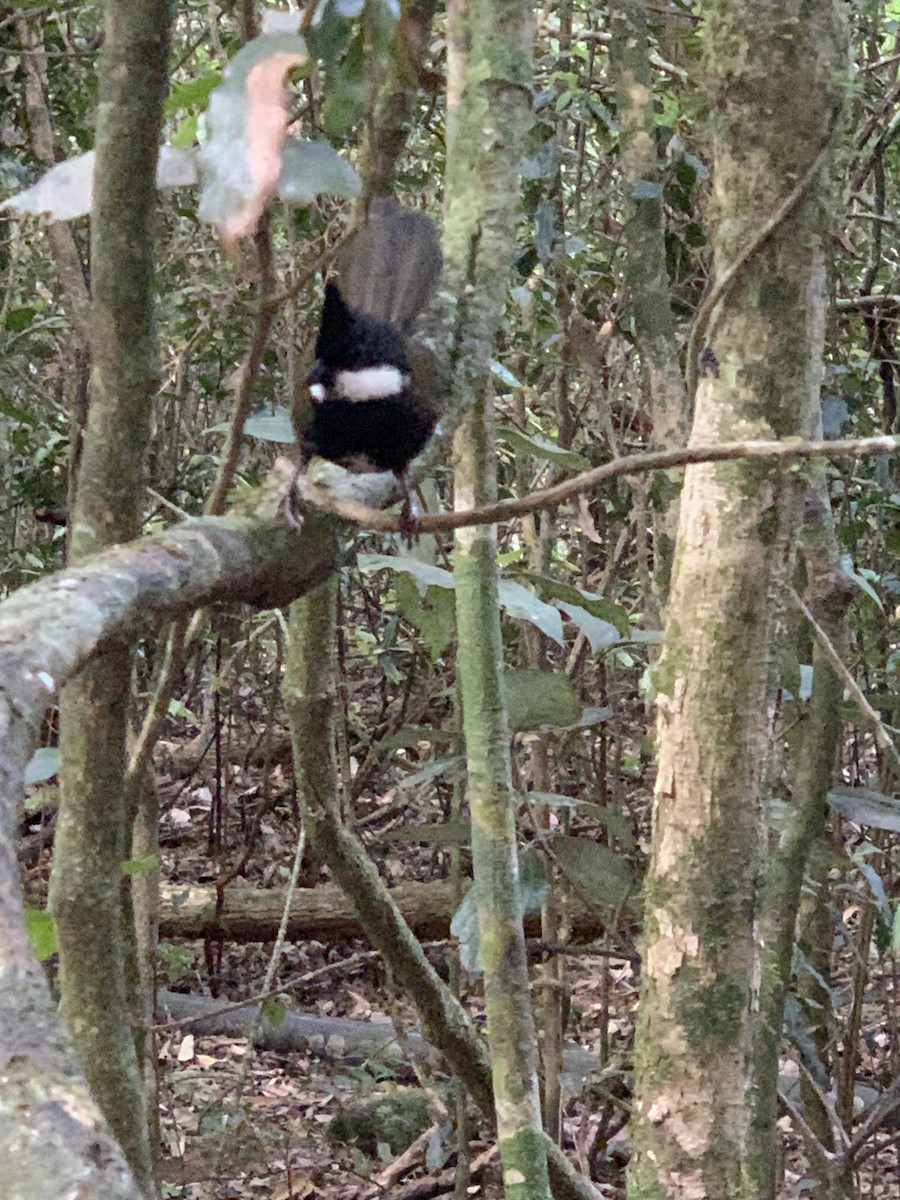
<point>607,346</point>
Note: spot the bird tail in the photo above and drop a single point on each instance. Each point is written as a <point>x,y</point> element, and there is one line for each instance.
<point>389,268</point>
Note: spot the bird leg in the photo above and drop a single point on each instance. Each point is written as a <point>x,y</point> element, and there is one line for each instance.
<point>409,519</point>
<point>289,498</point>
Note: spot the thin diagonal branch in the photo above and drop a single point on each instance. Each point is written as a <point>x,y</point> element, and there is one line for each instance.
<point>368,517</point>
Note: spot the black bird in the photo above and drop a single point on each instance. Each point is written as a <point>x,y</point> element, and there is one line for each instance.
<point>371,407</point>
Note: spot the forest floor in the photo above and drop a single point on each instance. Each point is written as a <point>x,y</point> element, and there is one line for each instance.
<point>239,1122</point>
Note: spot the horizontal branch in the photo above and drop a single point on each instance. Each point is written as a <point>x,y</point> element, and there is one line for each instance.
<point>633,464</point>
<point>50,628</point>
<point>52,1138</point>
<point>857,303</point>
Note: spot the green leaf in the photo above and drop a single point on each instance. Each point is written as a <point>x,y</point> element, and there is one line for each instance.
<point>241,158</point>
<point>835,414</point>
<point>18,319</point>
<point>602,113</point>
<point>540,700</point>
<point>41,932</point>
<point>346,90</point>
<point>274,1011</point>
<point>598,606</point>
<point>425,574</point>
<point>545,229</point>
<point>43,799</point>
<point>448,764</point>
<point>464,927</point>
<point>186,132</point>
<point>42,765</point>
<point>437,1151</point>
<point>543,164</point>
<point>177,960</point>
<point>433,614</point>
<point>864,806</point>
<point>444,834</point>
<point>699,167</point>
<point>20,415</point>
<point>519,602</point>
<point>329,35</point>
<point>601,874</point>
<point>177,708</point>
<point>645,189</point>
<point>311,169</point>
<point>542,449</point>
<point>140,866</point>
<point>412,735</point>
<point>504,374</point>
<point>522,605</point>
<point>598,632</point>
<point>591,715</point>
<point>191,94</point>
<point>862,578</point>
<point>879,895</point>
<point>532,880</point>
<point>619,826</point>
<point>644,637</point>
<point>271,427</point>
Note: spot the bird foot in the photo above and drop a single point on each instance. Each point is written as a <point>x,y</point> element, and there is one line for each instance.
<point>288,505</point>
<point>410,530</point>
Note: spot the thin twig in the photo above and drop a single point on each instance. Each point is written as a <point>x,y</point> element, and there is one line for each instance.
<point>813,1142</point>
<point>882,737</point>
<point>255,1024</point>
<point>872,1119</point>
<point>216,500</point>
<point>184,632</point>
<point>635,464</point>
<point>726,280</point>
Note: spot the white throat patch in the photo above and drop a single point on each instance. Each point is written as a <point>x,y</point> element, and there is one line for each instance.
<point>370,383</point>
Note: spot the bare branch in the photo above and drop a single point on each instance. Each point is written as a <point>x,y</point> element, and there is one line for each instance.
<point>367,517</point>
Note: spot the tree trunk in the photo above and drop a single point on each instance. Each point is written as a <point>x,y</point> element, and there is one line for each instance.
<point>829,592</point>
<point>645,266</point>
<point>489,70</point>
<point>91,837</point>
<point>761,333</point>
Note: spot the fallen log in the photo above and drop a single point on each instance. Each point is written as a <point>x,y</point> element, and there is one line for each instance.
<point>334,1039</point>
<point>323,914</point>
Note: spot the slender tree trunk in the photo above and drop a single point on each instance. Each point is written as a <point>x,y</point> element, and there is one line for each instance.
<point>388,129</point>
<point>830,591</point>
<point>91,836</point>
<point>310,694</point>
<point>489,72</point>
<point>761,333</point>
<point>510,1024</point>
<point>645,264</point>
